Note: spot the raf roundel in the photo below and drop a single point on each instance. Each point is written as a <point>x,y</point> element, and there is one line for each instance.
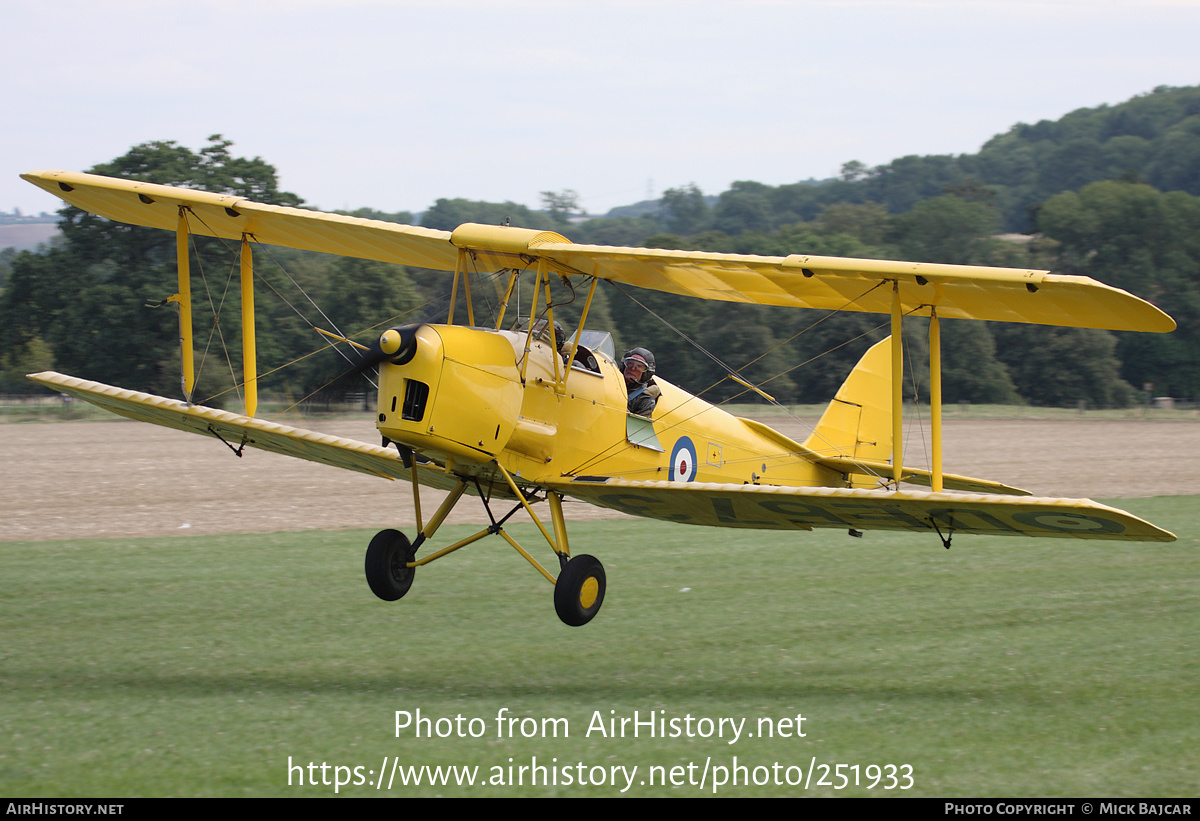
<point>683,460</point>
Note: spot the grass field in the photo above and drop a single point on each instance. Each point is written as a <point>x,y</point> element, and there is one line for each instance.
<point>185,666</point>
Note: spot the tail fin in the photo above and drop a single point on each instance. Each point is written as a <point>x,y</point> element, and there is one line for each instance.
<point>854,436</point>
<point>857,424</point>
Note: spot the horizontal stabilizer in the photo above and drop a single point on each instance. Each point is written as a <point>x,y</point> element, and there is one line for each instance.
<point>917,476</point>
<point>783,508</point>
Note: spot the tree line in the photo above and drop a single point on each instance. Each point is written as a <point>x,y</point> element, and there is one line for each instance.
<point>1110,193</point>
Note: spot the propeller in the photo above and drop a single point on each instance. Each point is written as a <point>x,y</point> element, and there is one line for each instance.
<point>395,345</point>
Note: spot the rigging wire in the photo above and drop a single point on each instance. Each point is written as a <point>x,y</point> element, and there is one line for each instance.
<point>267,250</point>
<point>918,422</point>
<point>607,452</point>
<point>237,385</point>
<point>328,345</point>
<point>216,309</point>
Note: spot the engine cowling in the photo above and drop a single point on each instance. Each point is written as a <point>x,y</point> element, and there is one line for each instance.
<point>448,389</point>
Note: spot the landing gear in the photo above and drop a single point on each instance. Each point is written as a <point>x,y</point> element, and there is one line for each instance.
<point>579,591</point>
<point>386,565</point>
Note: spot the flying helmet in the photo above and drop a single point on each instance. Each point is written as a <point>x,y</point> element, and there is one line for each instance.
<point>643,357</point>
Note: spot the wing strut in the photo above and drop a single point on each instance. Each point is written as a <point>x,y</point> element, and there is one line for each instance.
<point>897,387</point>
<point>537,295</point>
<point>935,393</point>
<point>587,305</point>
<point>935,401</point>
<point>249,354</point>
<point>559,378</point>
<point>460,266</point>
<point>184,300</point>
<point>512,281</point>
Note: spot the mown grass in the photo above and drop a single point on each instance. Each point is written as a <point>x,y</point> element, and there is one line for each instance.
<point>185,666</point>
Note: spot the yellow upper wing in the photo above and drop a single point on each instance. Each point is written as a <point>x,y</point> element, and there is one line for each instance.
<point>797,280</point>
<point>219,215</point>
<point>834,283</point>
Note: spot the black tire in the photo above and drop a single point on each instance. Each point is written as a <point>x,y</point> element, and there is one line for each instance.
<point>387,556</point>
<point>579,591</point>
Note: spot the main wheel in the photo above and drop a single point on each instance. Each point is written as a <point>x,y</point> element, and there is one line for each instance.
<point>387,556</point>
<point>579,591</point>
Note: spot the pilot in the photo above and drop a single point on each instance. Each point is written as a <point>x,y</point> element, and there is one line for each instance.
<point>638,367</point>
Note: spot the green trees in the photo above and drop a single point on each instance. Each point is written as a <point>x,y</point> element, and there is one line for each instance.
<point>746,206</point>
<point>945,229</point>
<point>90,294</point>
<point>1154,137</point>
<point>1133,237</point>
<point>1085,181</point>
<point>212,168</point>
<point>559,205</point>
<point>448,214</point>
<point>970,370</point>
<point>684,211</point>
<point>1063,366</point>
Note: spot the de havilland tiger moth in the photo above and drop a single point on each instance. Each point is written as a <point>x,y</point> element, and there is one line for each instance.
<point>524,413</point>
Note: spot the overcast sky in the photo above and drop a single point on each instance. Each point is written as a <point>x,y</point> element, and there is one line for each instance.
<point>393,104</point>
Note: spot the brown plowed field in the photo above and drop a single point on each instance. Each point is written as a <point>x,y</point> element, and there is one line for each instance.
<point>115,479</point>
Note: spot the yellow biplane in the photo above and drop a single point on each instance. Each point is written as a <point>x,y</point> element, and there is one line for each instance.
<point>526,414</point>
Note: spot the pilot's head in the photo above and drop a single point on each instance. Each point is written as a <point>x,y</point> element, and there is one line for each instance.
<point>638,366</point>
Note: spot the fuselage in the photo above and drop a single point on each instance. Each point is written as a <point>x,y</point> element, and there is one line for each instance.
<point>468,398</point>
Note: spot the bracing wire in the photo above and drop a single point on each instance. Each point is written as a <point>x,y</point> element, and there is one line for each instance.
<point>237,385</point>
<point>609,451</point>
<point>216,309</point>
<point>917,423</point>
<point>261,277</point>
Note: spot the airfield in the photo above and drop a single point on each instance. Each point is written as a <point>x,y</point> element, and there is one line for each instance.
<point>179,621</point>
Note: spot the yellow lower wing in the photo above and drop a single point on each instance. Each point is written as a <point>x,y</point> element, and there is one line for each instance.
<point>784,508</point>
<point>232,428</point>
